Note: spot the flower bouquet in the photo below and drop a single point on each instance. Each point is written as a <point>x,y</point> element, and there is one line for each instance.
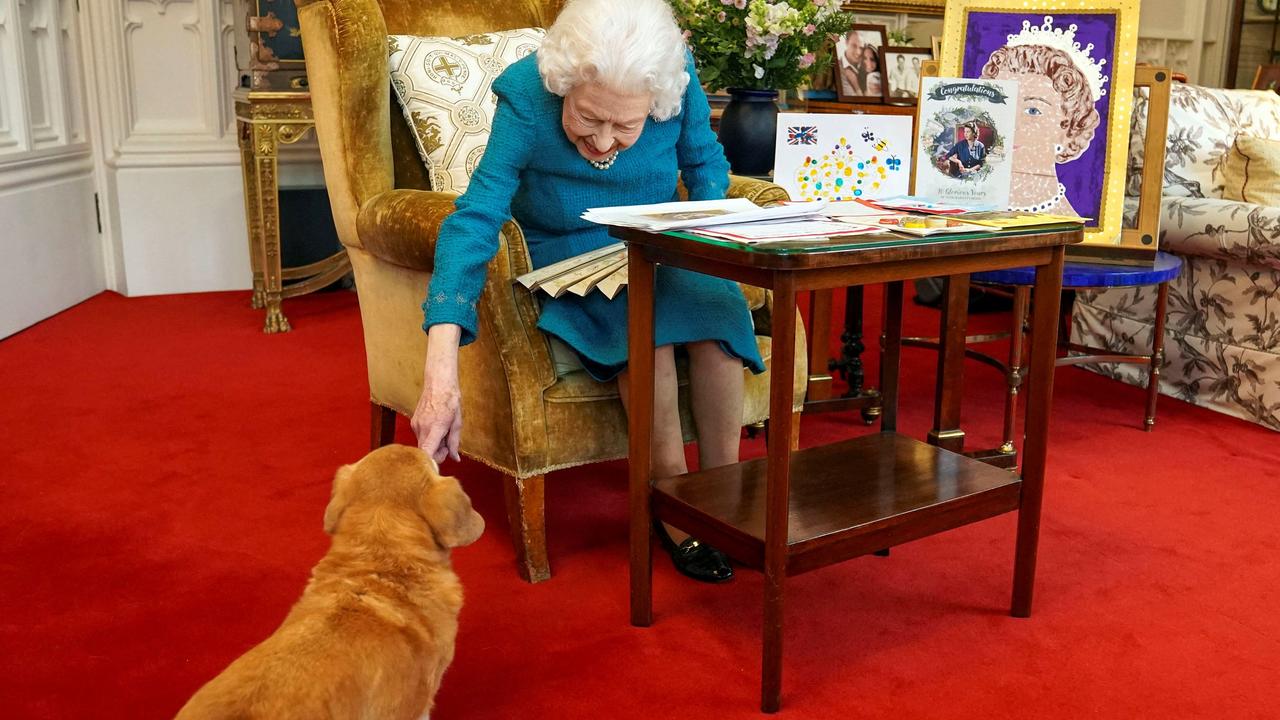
<point>759,44</point>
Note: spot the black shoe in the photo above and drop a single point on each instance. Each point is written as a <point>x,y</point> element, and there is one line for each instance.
<point>696,559</point>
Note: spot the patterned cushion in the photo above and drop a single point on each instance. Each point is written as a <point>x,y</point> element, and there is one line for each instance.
<point>1251,171</point>
<point>443,85</point>
<point>1203,125</point>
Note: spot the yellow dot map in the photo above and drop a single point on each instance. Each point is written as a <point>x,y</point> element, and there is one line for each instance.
<point>847,170</point>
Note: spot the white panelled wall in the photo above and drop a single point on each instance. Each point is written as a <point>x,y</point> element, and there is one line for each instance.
<point>50,255</point>
<point>131,100</point>
<point>173,212</point>
<point>1187,36</point>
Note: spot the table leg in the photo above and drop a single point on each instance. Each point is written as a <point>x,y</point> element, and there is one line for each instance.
<point>819,387</point>
<point>266,143</point>
<point>248,166</point>
<point>1044,345</point>
<point>946,432</point>
<point>781,396</point>
<point>890,355</point>
<point>1157,356</point>
<point>1013,373</point>
<point>851,346</point>
<point>640,430</point>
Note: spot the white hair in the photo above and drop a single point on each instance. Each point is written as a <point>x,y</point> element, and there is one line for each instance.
<point>629,46</point>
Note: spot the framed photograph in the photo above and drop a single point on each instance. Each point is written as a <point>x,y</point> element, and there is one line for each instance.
<point>936,43</point>
<point>1267,78</point>
<point>903,72</point>
<point>1073,61</point>
<point>859,65</point>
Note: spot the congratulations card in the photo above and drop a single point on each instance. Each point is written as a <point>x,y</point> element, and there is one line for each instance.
<point>964,151</point>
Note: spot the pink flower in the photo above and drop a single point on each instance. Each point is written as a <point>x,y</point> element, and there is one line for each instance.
<point>740,4</point>
<point>720,16</point>
<point>806,60</point>
<point>810,29</point>
<point>687,34</point>
<point>819,3</point>
<point>726,2</point>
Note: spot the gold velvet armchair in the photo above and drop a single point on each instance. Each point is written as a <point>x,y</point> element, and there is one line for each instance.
<point>519,417</point>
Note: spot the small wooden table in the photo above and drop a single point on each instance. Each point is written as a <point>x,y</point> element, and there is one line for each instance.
<point>796,511</point>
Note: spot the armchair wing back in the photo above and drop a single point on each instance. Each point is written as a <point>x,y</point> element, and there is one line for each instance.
<point>520,418</point>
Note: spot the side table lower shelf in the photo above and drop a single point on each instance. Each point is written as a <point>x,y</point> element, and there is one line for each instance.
<point>847,499</point>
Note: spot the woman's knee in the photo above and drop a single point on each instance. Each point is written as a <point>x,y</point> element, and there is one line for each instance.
<point>710,352</point>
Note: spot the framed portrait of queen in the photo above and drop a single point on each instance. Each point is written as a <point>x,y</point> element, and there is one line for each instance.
<point>1074,64</point>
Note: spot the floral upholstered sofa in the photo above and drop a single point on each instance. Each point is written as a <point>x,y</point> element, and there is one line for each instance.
<point>1222,341</point>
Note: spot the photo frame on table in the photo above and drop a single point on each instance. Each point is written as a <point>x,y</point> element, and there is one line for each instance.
<point>1267,78</point>
<point>1072,144</point>
<point>904,72</point>
<point>936,44</point>
<point>859,64</point>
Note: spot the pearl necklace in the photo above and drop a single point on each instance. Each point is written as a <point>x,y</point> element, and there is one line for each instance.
<point>1041,207</point>
<point>607,163</point>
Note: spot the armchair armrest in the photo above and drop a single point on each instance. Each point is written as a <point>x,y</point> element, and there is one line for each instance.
<point>401,226</point>
<point>760,192</point>
<point>1224,229</point>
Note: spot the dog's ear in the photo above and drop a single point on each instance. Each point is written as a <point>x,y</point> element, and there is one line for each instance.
<point>449,515</point>
<point>340,499</point>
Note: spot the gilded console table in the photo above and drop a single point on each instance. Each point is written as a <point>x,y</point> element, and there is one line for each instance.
<point>264,122</point>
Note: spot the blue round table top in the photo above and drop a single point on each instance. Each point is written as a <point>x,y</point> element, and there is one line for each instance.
<point>1092,275</point>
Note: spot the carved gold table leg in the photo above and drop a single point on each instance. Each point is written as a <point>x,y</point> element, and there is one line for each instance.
<point>267,120</point>
<point>248,169</point>
<point>266,140</point>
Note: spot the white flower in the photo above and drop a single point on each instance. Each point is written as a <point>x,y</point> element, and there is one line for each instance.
<point>759,71</point>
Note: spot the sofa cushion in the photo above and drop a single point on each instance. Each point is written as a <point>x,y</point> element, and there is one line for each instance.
<point>1251,171</point>
<point>1203,125</point>
<point>444,88</point>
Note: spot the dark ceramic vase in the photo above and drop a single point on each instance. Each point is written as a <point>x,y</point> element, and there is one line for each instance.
<point>747,130</point>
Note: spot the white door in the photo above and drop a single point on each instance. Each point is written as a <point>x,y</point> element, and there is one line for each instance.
<point>50,251</point>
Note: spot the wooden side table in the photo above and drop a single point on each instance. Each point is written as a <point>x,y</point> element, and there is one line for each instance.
<point>266,120</point>
<point>797,511</point>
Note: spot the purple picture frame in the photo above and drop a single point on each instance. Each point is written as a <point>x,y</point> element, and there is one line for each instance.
<point>986,31</point>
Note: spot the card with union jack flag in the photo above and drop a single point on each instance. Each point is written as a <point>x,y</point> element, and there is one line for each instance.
<point>802,135</point>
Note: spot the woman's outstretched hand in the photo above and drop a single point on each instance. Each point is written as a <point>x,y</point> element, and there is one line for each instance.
<point>437,421</point>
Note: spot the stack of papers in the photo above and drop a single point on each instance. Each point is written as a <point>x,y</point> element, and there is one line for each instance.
<point>927,206</point>
<point>604,270</point>
<point>779,231</point>
<point>700,213</point>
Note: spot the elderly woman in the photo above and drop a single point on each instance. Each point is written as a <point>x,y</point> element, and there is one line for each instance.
<point>607,112</point>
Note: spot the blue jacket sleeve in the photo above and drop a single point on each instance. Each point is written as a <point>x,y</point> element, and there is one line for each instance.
<point>702,165</point>
<point>469,237</point>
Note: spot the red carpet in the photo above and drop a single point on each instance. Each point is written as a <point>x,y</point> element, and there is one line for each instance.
<point>165,466</point>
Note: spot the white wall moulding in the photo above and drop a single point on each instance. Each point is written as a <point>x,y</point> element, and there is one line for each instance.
<point>43,168</point>
<point>10,86</point>
<point>1186,36</point>
<point>73,89</point>
<point>41,91</point>
<point>164,43</point>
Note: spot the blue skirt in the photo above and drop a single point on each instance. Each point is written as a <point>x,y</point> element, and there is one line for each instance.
<point>689,307</point>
